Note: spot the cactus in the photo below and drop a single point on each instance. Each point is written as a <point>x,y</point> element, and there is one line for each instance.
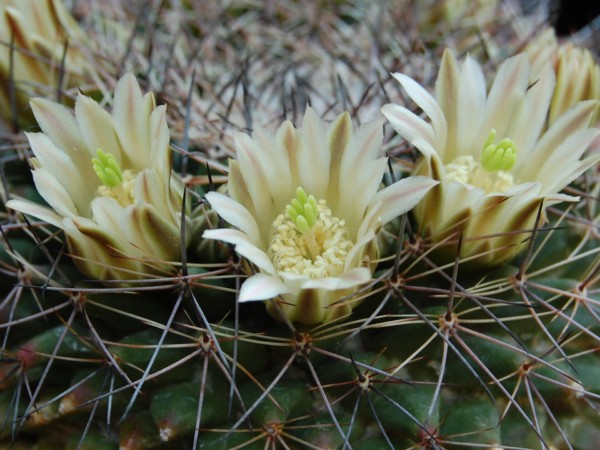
<point>434,350</point>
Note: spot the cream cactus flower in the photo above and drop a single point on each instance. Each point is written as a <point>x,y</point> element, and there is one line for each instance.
<point>307,206</point>
<point>577,73</point>
<point>489,150</point>
<point>108,182</point>
<point>39,30</point>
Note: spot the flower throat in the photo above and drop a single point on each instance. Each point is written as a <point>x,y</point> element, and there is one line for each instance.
<point>308,239</point>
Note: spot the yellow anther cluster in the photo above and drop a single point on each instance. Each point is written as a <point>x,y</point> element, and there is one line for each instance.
<point>123,192</point>
<point>466,170</point>
<point>291,251</point>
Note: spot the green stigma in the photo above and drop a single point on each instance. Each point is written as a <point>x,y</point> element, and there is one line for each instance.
<point>303,211</point>
<point>500,156</point>
<point>107,169</point>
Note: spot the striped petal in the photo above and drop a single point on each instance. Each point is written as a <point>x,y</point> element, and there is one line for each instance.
<point>97,127</point>
<point>79,185</point>
<point>59,124</point>
<point>36,210</point>
<point>255,178</point>
<point>54,193</point>
<point>506,94</point>
<point>313,161</point>
<point>244,246</point>
<point>235,214</point>
<point>275,164</point>
<point>160,154</point>
<point>429,105</point>
<point>402,196</point>
<point>470,111</point>
<point>446,93</point>
<point>408,125</point>
<point>349,279</point>
<point>131,112</point>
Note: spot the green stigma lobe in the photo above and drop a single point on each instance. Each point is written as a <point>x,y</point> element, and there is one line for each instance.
<point>499,156</point>
<point>303,211</point>
<point>107,169</point>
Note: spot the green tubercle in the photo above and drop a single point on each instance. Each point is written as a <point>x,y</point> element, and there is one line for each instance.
<point>500,156</point>
<point>107,168</point>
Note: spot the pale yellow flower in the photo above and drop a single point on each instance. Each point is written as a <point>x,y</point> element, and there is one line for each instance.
<point>39,30</point>
<point>307,207</point>
<point>107,179</point>
<point>577,72</point>
<point>491,152</point>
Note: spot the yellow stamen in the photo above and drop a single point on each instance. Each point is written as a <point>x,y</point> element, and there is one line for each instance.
<point>308,239</point>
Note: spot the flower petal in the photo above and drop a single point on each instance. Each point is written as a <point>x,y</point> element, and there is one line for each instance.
<point>36,210</point>
<point>530,118</point>
<point>313,161</point>
<point>429,105</point>
<point>402,196</point>
<point>506,94</point>
<point>288,138</point>
<point>356,253</point>
<point>349,279</point>
<point>275,164</point>
<point>470,111</point>
<point>446,93</point>
<point>79,184</point>
<point>243,246</point>
<point>562,165</point>
<point>98,253</point>
<point>577,118</point>
<point>97,127</point>
<point>237,189</point>
<point>363,163</point>
<point>54,193</point>
<point>236,215</point>
<point>150,188</point>
<point>261,287</point>
<point>408,125</point>
<point>339,137</point>
<point>160,153</point>
<point>156,237</point>
<point>131,112</point>
<point>58,123</point>
<point>249,163</point>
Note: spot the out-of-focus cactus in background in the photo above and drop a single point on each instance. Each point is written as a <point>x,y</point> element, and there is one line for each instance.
<point>577,72</point>
<point>40,54</point>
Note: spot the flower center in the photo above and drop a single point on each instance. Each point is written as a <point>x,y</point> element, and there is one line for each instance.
<point>491,173</point>
<point>500,156</point>
<point>308,239</point>
<point>116,184</point>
